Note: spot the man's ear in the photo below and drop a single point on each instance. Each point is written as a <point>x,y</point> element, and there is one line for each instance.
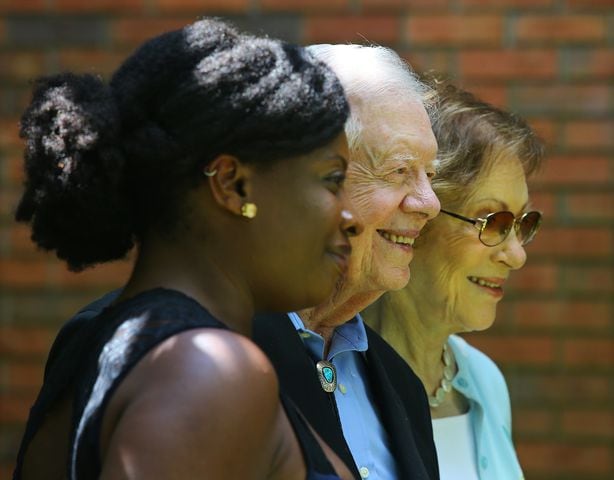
<point>229,180</point>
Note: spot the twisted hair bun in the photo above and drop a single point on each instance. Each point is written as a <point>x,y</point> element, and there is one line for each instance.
<point>74,191</point>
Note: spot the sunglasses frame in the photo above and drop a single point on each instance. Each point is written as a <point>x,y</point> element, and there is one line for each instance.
<point>480,224</point>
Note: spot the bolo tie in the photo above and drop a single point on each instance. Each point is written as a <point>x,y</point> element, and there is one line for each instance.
<point>327,374</point>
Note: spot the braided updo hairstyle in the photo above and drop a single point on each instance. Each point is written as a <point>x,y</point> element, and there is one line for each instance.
<point>106,162</point>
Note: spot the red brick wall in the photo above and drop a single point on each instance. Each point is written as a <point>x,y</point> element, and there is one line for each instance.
<point>550,60</point>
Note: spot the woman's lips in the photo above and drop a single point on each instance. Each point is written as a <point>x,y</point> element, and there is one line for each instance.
<point>491,285</point>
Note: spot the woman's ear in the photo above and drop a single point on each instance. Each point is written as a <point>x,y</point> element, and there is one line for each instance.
<point>229,180</point>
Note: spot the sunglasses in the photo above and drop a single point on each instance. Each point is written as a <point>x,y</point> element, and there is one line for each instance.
<point>495,227</point>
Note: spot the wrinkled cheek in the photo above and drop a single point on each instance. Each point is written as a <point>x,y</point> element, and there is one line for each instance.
<point>360,257</point>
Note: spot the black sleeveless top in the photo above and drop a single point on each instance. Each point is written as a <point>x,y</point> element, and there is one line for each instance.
<point>92,358</point>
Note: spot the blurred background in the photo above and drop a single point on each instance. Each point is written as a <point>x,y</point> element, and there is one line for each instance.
<point>548,60</point>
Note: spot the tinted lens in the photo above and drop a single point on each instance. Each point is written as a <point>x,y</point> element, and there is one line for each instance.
<point>498,225</point>
<point>528,226</point>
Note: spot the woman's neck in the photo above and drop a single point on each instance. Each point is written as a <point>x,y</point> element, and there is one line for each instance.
<point>417,332</point>
<point>206,279</point>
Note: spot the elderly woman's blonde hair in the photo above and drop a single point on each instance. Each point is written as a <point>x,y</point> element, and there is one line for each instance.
<point>473,136</point>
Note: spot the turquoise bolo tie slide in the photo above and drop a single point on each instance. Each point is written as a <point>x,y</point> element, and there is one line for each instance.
<point>327,375</point>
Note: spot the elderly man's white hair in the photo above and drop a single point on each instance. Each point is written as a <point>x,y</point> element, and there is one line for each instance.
<point>368,72</point>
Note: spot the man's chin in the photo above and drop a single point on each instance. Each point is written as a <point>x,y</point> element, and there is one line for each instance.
<point>395,279</point>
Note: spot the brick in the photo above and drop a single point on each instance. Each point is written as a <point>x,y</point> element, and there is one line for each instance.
<point>545,202</point>
<point>100,6</point>
<point>545,129</point>
<point>109,275</point>
<point>49,308</point>
<point>562,99</point>
<point>304,6</point>
<point>14,98</point>
<point>518,350</point>
<point>574,170</point>
<point>589,134</point>
<point>588,352</point>
<point>403,5</point>
<point>20,342</point>
<point>98,61</point>
<point>285,26</point>
<point>23,274</point>
<point>422,61</point>
<point>9,134</point>
<point>497,95</point>
<point>533,421</point>
<point>589,4</point>
<point>587,389</point>
<point>133,31</point>
<point>589,423</point>
<point>588,279</point>
<point>32,32</point>
<point>9,198</point>
<point>21,375</point>
<point>18,240</point>
<point>574,243</point>
<point>215,6</point>
<point>587,64</point>
<point>570,29</point>
<point>14,172</point>
<point>360,29</point>
<point>533,278</point>
<point>454,30</point>
<point>590,206</point>
<point>22,6</point>
<point>587,316</point>
<point>564,459</point>
<point>508,64</point>
<point>505,4</point>
<point>21,66</point>
<point>15,408</point>
<point>20,247</point>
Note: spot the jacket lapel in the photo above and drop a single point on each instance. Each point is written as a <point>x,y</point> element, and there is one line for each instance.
<point>298,379</point>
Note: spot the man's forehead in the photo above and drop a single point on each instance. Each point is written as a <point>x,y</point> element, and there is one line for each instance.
<point>378,155</point>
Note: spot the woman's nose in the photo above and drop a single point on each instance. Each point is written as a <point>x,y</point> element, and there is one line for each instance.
<point>512,252</point>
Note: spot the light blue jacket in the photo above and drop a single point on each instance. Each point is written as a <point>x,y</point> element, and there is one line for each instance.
<point>481,381</point>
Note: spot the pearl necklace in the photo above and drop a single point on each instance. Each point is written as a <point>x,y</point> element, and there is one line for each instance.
<point>445,385</point>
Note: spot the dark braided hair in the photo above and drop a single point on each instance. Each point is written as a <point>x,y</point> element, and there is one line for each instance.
<point>105,163</point>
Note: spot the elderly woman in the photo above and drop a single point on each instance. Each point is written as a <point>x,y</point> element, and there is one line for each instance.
<point>208,149</point>
<point>462,260</point>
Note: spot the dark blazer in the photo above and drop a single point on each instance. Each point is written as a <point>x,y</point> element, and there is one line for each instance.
<point>399,394</point>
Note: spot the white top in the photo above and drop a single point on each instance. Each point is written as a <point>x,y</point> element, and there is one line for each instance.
<point>455,445</point>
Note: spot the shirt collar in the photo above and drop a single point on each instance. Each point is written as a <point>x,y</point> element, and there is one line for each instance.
<point>351,336</point>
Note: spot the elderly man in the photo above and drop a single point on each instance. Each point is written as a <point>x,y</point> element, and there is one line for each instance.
<point>351,386</point>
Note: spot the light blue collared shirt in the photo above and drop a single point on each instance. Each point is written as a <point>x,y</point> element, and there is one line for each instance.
<point>360,421</point>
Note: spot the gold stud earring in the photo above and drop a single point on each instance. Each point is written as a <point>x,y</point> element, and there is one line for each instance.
<point>249,210</point>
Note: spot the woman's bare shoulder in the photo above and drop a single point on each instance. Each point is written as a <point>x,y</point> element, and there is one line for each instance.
<point>204,401</point>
